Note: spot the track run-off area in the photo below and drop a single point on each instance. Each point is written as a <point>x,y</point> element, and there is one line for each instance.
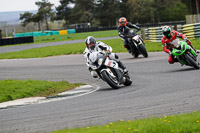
<point>158,89</point>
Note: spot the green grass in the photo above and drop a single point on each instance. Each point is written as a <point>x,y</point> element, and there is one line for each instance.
<point>186,123</point>
<point>75,36</point>
<point>16,89</point>
<point>67,49</point>
<point>79,48</point>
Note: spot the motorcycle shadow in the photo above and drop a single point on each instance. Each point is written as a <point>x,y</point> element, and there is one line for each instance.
<point>181,70</point>
<point>131,58</point>
<point>111,89</point>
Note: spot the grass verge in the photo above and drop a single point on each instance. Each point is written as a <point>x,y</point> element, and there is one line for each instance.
<point>79,48</point>
<point>16,89</point>
<point>75,36</point>
<point>186,123</point>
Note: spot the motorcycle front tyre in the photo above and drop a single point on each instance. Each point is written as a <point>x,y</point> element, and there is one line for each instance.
<point>143,50</point>
<point>109,80</point>
<point>191,61</point>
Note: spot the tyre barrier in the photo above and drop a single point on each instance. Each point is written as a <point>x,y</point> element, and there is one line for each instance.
<point>154,34</point>
<point>192,30</point>
<point>179,28</point>
<point>16,40</point>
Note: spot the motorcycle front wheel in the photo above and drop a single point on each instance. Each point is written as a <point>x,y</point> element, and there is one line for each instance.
<point>143,50</point>
<point>112,82</point>
<point>191,61</point>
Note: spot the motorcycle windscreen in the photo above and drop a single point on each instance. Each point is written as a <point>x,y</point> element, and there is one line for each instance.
<point>179,47</point>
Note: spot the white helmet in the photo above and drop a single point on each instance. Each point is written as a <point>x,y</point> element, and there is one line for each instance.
<point>166,31</point>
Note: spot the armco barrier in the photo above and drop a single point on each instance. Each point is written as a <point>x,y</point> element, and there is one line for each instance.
<point>16,40</point>
<point>192,30</point>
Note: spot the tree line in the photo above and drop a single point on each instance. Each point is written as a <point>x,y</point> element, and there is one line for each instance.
<point>107,12</point>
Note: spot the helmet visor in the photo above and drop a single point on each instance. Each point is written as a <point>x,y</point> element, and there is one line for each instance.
<point>167,33</point>
<point>123,23</point>
<point>91,46</point>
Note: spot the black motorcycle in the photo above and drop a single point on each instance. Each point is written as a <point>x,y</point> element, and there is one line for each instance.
<point>136,44</point>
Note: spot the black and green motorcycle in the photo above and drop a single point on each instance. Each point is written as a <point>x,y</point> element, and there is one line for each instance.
<point>185,54</point>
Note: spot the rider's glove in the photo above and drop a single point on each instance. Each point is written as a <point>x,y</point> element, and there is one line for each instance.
<point>170,53</point>
<point>188,42</point>
<point>108,52</point>
<point>185,39</point>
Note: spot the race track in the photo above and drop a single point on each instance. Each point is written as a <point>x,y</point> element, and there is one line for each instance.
<point>158,88</point>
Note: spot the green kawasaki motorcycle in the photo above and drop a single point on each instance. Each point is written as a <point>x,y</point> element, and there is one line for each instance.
<point>185,54</point>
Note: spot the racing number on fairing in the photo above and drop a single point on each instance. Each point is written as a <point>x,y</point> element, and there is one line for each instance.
<point>112,62</point>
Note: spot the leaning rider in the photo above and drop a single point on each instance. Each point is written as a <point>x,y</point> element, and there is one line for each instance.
<point>123,29</point>
<point>92,46</point>
<point>169,36</point>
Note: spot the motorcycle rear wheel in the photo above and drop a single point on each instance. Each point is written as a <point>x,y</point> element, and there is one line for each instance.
<point>109,80</point>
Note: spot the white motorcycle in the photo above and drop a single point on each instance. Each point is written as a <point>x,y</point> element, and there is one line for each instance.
<point>108,70</point>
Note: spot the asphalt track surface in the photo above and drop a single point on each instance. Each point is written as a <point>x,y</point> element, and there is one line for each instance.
<point>158,89</point>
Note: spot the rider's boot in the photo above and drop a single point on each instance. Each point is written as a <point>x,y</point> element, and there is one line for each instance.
<point>121,65</point>
<point>176,60</point>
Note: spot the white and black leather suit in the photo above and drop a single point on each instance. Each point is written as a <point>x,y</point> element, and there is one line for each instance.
<point>100,46</point>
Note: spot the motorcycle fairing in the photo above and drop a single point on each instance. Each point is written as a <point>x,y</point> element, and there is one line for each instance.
<point>111,63</point>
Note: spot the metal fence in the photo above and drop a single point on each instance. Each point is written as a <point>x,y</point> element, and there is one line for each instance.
<point>190,19</point>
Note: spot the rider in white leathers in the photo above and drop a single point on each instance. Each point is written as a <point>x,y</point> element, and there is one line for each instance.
<point>92,46</point>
